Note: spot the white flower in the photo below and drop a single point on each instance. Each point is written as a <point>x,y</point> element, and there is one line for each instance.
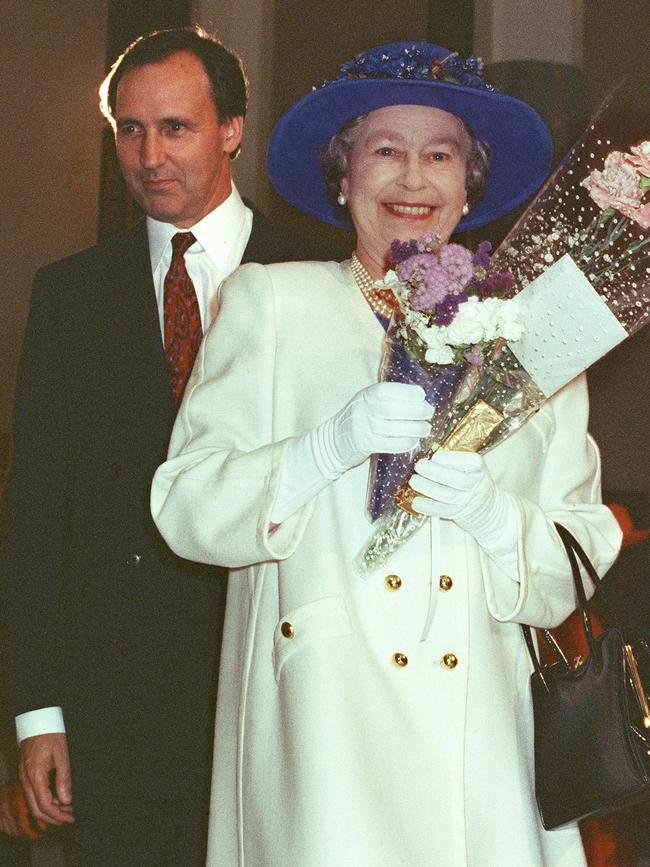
<point>469,324</point>
<point>501,319</point>
<point>438,351</point>
<point>507,324</point>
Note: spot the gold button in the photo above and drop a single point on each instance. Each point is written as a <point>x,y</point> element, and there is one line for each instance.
<point>446,583</point>
<point>449,660</point>
<point>287,629</point>
<point>393,582</point>
<point>400,660</point>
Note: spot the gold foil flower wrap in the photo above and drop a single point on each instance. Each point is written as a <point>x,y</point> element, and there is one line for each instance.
<point>474,428</point>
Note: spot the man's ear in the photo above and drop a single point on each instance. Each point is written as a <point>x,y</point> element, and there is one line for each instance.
<point>234,130</point>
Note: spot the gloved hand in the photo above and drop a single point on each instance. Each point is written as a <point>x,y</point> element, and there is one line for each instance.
<point>457,486</point>
<point>388,417</point>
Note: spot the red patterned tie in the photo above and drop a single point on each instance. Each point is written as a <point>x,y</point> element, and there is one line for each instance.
<point>182,316</point>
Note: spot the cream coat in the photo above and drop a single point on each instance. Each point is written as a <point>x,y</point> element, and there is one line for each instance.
<point>327,753</point>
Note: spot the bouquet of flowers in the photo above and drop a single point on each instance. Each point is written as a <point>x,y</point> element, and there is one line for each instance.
<point>490,338</point>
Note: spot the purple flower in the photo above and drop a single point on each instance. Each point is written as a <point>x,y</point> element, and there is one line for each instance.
<point>447,309</point>
<point>475,356</point>
<point>482,256</point>
<point>431,291</point>
<point>497,284</point>
<point>457,263</point>
<point>401,250</point>
<point>406,269</point>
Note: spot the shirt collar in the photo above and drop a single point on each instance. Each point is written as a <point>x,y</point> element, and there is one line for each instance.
<point>216,232</point>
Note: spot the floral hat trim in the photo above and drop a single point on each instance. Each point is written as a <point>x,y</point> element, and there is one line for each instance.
<point>414,62</point>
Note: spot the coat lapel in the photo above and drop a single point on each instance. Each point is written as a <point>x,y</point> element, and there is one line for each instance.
<point>139,374</point>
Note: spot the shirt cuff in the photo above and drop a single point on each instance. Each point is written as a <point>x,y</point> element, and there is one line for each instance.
<point>44,721</point>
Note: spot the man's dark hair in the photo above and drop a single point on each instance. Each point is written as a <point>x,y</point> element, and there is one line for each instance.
<point>223,68</point>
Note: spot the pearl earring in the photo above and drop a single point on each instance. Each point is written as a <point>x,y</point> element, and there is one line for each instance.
<point>465,210</point>
<point>341,199</point>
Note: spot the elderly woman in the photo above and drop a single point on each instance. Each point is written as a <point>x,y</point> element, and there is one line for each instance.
<point>346,733</point>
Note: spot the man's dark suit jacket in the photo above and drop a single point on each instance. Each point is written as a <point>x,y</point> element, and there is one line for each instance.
<point>101,618</point>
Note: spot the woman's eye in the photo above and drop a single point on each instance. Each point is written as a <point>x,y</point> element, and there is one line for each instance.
<point>439,156</point>
<point>385,151</point>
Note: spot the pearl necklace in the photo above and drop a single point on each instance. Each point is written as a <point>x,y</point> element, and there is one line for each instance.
<point>381,301</point>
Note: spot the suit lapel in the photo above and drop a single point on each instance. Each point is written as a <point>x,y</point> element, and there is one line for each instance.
<point>139,373</point>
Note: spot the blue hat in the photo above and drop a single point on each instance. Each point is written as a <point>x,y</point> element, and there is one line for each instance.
<point>411,73</point>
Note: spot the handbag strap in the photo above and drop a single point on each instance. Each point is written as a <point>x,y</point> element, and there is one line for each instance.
<point>575,553</point>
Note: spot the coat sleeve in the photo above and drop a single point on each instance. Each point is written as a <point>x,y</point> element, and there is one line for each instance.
<point>212,498</point>
<point>36,506</point>
<point>570,493</point>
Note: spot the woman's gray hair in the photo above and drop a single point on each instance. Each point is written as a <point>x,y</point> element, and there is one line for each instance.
<point>335,159</point>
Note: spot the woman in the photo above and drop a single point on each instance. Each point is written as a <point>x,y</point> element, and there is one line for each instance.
<point>347,732</point>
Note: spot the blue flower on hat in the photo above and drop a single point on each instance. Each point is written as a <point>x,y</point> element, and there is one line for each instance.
<point>415,63</point>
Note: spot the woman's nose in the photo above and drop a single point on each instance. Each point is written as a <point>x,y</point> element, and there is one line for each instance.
<point>412,174</point>
<point>152,151</point>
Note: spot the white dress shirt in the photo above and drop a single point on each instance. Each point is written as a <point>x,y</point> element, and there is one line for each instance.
<point>221,238</point>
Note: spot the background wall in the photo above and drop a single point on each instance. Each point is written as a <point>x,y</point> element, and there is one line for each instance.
<point>51,61</point>
<point>53,56</point>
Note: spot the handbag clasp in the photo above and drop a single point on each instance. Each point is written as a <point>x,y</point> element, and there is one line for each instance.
<point>637,685</point>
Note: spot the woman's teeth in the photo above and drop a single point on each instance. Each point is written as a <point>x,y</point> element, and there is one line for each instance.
<point>411,210</point>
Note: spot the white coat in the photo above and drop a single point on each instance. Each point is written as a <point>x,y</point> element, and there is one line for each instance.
<point>327,753</point>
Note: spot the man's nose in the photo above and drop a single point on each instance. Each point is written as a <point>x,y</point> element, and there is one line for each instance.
<point>152,150</point>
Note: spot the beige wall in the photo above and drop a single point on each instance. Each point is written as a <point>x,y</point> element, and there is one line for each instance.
<point>254,43</point>
<point>529,30</point>
<point>51,59</point>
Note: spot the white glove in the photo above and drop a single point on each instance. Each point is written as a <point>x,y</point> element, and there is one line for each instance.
<point>457,486</point>
<point>389,417</point>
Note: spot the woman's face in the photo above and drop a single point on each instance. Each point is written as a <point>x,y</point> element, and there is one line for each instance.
<point>406,176</point>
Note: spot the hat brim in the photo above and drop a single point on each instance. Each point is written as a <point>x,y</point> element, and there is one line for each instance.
<point>519,140</point>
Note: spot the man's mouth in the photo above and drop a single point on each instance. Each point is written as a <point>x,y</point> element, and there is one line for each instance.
<point>157,183</point>
<point>402,210</point>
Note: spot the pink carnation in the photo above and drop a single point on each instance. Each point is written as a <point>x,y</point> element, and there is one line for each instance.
<point>617,186</point>
<point>641,157</point>
<point>639,215</point>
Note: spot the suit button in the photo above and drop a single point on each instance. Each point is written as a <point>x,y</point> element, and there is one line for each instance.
<point>392,582</point>
<point>449,660</point>
<point>134,560</point>
<point>287,629</point>
<point>446,583</point>
<point>401,660</point>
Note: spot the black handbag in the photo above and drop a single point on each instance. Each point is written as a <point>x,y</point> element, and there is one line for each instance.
<point>592,719</point>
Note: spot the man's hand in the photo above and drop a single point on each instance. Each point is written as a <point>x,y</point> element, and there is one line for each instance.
<point>43,757</point>
<point>14,816</point>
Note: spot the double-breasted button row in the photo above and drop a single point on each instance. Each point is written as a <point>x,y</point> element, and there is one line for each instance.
<point>394,582</point>
<point>401,660</point>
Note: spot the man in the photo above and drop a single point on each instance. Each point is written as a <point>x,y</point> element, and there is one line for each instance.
<point>112,642</point>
